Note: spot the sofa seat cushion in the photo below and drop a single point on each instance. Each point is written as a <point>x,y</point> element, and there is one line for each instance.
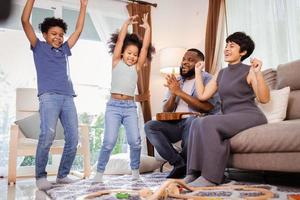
<point>282,136</point>
<point>281,161</point>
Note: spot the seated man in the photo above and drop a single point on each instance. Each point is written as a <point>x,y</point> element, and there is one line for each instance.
<point>181,97</point>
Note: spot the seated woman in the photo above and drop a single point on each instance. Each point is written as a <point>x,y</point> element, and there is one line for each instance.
<point>238,85</point>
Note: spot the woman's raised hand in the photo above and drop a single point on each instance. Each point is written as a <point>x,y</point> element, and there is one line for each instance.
<point>255,64</point>
<point>199,66</point>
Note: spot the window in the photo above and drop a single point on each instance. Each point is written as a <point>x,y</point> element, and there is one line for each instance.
<point>89,32</point>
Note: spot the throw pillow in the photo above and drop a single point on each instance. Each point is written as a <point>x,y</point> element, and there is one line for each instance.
<point>30,127</point>
<point>120,164</point>
<point>275,109</point>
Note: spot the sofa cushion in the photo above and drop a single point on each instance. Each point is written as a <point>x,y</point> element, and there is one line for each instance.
<point>283,136</point>
<point>275,109</point>
<point>293,110</point>
<point>288,75</point>
<point>270,78</point>
<point>30,127</point>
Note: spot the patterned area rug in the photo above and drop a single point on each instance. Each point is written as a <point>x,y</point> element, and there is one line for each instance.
<point>153,181</point>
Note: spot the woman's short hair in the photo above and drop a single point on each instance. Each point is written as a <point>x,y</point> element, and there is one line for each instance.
<point>244,41</point>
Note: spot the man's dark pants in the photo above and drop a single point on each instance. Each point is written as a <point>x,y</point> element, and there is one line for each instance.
<point>162,134</point>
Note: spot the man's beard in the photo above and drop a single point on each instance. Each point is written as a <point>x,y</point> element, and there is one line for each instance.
<point>189,74</point>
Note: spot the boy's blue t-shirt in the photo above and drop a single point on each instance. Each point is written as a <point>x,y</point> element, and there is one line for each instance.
<point>52,68</point>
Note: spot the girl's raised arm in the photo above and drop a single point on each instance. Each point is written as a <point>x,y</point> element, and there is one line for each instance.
<point>146,42</point>
<point>119,44</point>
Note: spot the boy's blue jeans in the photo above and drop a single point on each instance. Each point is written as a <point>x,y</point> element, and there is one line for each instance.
<point>120,112</point>
<point>53,107</point>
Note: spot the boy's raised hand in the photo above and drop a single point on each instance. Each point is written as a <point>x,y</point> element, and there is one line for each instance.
<point>27,27</point>
<point>145,24</point>
<point>84,2</point>
<point>79,24</point>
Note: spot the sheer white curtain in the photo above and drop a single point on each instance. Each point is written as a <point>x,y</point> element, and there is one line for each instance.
<point>274,26</point>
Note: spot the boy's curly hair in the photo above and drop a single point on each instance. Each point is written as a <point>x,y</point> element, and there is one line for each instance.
<point>244,41</point>
<point>51,22</point>
<point>130,39</point>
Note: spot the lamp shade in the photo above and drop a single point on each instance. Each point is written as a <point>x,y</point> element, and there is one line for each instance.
<point>170,59</point>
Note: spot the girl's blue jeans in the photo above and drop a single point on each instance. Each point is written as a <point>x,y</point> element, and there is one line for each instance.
<point>120,112</point>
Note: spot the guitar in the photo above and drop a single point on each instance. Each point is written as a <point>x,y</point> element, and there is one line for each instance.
<point>170,116</point>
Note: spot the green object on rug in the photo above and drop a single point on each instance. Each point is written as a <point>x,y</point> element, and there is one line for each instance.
<point>122,195</point>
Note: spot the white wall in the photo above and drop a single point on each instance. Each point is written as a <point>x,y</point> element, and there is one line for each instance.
<point>176,23</point>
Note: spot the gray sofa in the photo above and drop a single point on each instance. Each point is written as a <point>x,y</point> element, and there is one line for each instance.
<point>275,146</point>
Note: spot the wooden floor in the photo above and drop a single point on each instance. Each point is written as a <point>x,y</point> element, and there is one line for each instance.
<point>24,189</point>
